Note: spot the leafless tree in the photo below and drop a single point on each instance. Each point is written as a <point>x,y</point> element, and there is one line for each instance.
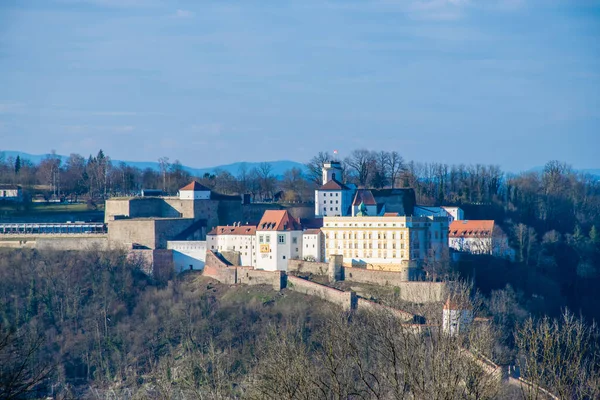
<point>360,162</point>
<point>315,166</point>
<point>395,165</point>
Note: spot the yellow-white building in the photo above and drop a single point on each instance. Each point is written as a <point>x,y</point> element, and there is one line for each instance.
<point>388,242</point>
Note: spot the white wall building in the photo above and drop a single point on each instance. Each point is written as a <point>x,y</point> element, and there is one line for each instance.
<point>312,245</point>
<point>188,254</point>
<point>194,191</point>
<point>11,193</point>
<point>279,239</point>
<point>238,238</point>
<point>452,213</point>
<point>333,198</point>
<point>456,318</point>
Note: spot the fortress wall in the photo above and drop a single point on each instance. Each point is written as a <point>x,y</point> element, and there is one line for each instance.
<point>71,243</point>
<point>144,207</point>
<point>366,305</point>
<point>347,300</point>
<point>141,232</point>
<point>316,268</point>
<point>114,207</point>
<point>375,277</point>
<point>215,268</point>
<point>168,229</point>
<point>423,292</point>
<point>250,276</point>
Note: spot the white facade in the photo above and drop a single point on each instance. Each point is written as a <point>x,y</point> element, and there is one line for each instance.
<point>194,194</point>
<point>455,321</point>
<point>332,171</point>
<point>332,203</point>
<point>245,244</point>
<point>11,193</point>
<point>454,213</point>
<point>387,242</point>
<point>312,243</point>
<point>188,254</point>
<point>275,248</point>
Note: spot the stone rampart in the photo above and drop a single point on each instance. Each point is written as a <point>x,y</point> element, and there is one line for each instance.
<point>316,268</point>
<point>71,243</point>
<point>382,278</point>
<point>156,263</point>
<point>367,305</point>
<point>423,292</point>
<point>347,300</point>
<point>216,268</point>
<point>251,276</point>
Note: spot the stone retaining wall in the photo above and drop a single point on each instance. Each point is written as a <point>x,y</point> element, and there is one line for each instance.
<point>347,300</point>
<point>251,276</point>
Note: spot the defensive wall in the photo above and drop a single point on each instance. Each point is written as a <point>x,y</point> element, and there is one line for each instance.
<point>74,243</point>
<point>368,305</point>
<point>151,233</point>
<point>251,276</point>
<point>408,290</point>
<point>218,269</point>
<point>156,263</point>
<point>347,300</point>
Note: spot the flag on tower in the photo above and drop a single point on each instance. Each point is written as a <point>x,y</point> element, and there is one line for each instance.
<point>335,152</point>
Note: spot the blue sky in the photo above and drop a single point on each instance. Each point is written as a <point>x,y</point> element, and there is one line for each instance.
<point>508,82</point>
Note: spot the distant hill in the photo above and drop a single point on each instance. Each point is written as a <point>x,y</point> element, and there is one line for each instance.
<point>279,167</point>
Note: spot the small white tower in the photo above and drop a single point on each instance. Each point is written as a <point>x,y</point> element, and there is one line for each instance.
<point>332,170</point>
<point>457,317</point>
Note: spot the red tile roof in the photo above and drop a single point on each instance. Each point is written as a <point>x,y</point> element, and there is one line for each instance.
<point>364,196</point>
<point>278,220</point>
<point>233,230</point>
<point>471,228</point>
<point>196,187</point>
<point>334,185</point>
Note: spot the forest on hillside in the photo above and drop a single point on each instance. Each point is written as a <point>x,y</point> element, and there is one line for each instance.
<point>92,325</point>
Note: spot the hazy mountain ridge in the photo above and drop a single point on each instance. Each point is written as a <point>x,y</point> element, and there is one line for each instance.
<point>279,167</point>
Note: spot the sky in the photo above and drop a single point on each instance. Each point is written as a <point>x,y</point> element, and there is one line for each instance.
<point>509,82</point>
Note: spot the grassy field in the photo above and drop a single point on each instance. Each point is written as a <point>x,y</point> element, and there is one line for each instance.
<point>33,210</point>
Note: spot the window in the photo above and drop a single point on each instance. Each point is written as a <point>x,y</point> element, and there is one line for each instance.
<point>260,238</point>
<point>330,208</point>
<point>336,194</point>
<point>336,209</point>
<point>281,239</point>
<point>284,257</point>
<point>294,240</point>
<point>267,238</point>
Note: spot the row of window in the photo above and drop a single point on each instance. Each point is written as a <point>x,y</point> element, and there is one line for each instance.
<point>366,236</point>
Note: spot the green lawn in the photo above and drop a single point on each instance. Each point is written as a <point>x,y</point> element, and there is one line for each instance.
<point>45,208</point>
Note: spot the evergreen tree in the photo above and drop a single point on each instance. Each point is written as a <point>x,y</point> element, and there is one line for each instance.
<point>17,165</point>
<point>594,236</point>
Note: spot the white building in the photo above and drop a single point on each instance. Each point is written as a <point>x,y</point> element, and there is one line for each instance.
<point>312,245</point>
<point>456,317</point>
<point>194,191</point>
<point>389,242</point>
<point>333,198</point>
<point>479,237</point>
<point>11,193</point>
<point>188,254</point>
<point>237,238</point>
<point>452,213</point>
<point>279,239</point>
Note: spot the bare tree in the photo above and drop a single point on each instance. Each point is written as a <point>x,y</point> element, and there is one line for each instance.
<point>315,166</point>
<point>163,164</point>
<point>395,166</point>
<point>361,163</point>
<point>559,356</point>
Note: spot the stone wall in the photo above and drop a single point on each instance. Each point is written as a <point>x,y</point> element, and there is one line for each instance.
<point>168,229</point>
<point>215,268</point>
<point>132,231</point>
<point>367,305</point>
<point>423,292</point>
<point>316,268</point>
<point>70,243</point>
<point>251,276</point>
<point>347,300</point>
<point>156,263</point>
<point>382,278</point>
